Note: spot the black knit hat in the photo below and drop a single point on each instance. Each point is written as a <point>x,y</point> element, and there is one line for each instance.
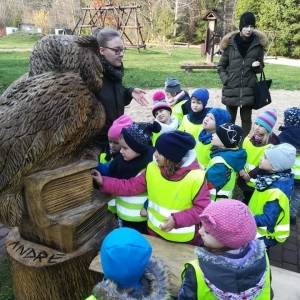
<point>247,18</point>
<point>138,135</point>
<point>174,145</point>
<point>230,135</point>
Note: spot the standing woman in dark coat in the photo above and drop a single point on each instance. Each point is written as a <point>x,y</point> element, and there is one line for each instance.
<point>113,95</point>
<point>241,60</point>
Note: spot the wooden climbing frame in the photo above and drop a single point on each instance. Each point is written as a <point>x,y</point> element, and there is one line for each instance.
<point>122,18</point>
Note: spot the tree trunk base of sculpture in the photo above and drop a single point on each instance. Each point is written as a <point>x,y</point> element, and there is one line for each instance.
<point>42,273</point>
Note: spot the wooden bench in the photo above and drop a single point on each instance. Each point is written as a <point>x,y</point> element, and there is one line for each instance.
<point>285,283</point>
<point>181,44</point>
<point>190,68</point>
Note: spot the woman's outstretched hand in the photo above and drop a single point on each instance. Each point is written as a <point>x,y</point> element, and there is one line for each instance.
<point>97,177</point>
<point>139,96</point>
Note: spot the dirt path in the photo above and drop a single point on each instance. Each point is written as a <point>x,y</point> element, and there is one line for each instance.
<point>281,100</point>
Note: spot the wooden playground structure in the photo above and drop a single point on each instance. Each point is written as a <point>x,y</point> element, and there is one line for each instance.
<point>122,18</point>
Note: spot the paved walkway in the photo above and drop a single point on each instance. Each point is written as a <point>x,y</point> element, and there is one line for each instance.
<point>286,255</point>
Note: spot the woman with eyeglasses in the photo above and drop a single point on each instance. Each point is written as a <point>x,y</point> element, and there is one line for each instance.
<point>113,95</point>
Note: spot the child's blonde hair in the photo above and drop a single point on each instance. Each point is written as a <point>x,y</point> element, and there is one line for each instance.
<point>265,138</point>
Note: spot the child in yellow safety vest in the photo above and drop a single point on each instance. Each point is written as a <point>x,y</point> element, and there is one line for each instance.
<point>226,159</point>
<point>134,156</point>
<point>177,191</point>
<point>178,99</point>
<point>255,144</point>
<point>214,118</point>
<point>270,202</point>
<point>231,263</point>
<point>290,133</point>
<point>129,270</point>
<point>162,112</point>
<point>192,122</point>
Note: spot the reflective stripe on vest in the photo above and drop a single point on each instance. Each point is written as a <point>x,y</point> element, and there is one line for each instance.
<point>253,156</point>
<point>296,168</point>
<point>256,205</point>
<point>112,206</point>
<point>167,197</point>
<point>227,189</point>
<point>203,154</point>
<point>193,129</point>
<point>129,208</point>
<point>204,293</point>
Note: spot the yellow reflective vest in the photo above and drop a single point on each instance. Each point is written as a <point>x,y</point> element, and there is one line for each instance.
<point>167,197</point>
<point>91,297</point>
<point>204,293</point>
<point>227,190</point>
<point>203,154</point>
<point>296,168</point>
<point>187,126</point>
<point>254,154</point>
<point>177,110</point>
<point>256,205</point>
<point>129,207</point>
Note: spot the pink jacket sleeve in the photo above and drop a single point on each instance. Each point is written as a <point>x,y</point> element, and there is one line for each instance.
<point>190,216</point>
<point>124,187</point>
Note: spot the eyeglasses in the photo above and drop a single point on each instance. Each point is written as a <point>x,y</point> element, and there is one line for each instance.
<point>116,50</point>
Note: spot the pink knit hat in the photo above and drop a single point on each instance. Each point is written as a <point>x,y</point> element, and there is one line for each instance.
<point>230,222</point>
<point>159,102</point>
<point>158,96</point>
<point>122,122</point>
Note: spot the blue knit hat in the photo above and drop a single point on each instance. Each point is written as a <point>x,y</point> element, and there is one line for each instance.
<point>221,116</point>
<point>174,145</point>
<point>292,116</point>
<point>267,119</point>
<point>201,95</point>
<point>172,85</point>
<point>125,254</point>
<point>138,135</point>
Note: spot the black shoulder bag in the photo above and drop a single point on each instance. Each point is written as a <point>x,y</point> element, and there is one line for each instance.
<point>261,92</point>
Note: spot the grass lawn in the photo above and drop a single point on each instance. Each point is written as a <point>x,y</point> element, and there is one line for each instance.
<point>19,40</point>
<point>149,69</point>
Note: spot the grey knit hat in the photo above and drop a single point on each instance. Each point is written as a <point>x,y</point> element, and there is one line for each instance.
<point>172,85</point>
<point>281,157</point>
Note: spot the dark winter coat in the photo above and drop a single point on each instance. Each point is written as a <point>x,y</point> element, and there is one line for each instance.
<point>236,72</point>
<point>114,97</point>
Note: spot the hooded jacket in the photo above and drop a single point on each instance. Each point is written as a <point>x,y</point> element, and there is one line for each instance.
<point>238,273</point>
<point>236,72</point>
<point>154,285</point>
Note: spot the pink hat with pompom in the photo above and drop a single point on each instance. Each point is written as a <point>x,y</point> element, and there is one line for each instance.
<point>230,222</point>
<point>122,122</point>
<point>159,102</point>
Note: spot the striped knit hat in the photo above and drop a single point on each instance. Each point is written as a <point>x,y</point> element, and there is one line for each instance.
<point>267,119</point>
